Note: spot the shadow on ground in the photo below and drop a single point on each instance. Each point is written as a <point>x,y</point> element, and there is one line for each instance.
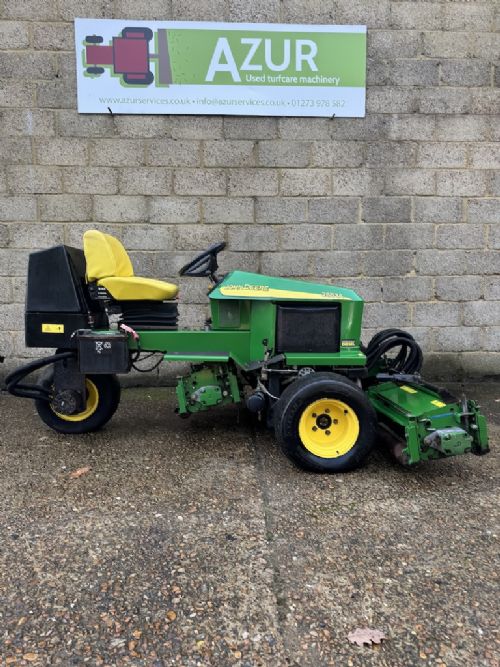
<point>197,543</point>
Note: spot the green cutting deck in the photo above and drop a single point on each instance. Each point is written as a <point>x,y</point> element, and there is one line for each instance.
<point>432,424</point>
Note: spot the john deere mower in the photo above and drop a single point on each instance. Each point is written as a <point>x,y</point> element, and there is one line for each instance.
<point>290,350</point>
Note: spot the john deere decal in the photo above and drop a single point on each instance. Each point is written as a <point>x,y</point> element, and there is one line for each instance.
<point>220,68</point>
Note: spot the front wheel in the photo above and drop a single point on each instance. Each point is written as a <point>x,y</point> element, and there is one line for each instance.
<point>325,423</point>
<point>102,400</point>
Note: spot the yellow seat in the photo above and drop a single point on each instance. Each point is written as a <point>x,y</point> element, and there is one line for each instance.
<point>109,265</point>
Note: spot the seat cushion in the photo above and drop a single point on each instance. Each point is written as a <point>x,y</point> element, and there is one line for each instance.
<point>134,288</point>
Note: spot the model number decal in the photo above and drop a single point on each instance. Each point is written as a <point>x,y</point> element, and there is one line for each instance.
<point>274,292</point>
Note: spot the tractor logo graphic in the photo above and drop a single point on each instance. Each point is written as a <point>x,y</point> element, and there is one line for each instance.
<point>129,57</point>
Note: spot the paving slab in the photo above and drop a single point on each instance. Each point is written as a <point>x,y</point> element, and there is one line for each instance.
<point>195,542</point>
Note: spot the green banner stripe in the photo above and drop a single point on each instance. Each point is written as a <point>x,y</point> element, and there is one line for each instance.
<point>250,57</point>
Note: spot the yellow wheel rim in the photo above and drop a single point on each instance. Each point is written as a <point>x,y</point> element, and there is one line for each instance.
<point>328,428</point>
<point>90,408</point>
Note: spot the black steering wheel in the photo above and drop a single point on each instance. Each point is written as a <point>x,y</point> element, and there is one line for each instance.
<point>204,264</point>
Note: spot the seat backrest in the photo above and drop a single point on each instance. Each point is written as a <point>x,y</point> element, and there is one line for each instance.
<point>105,256</point>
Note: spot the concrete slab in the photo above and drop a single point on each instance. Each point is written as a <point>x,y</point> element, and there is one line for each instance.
<point>197,543</point>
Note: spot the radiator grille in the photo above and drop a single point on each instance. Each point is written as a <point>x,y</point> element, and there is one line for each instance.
<point>308,328</point>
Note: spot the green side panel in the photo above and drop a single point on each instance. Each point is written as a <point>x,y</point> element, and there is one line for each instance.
<point>197,345</point>
<point>262,328</point>
<point>350,322</point>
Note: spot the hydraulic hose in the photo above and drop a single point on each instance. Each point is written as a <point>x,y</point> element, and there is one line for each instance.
<point>408,359</point>
<point>13,381</point>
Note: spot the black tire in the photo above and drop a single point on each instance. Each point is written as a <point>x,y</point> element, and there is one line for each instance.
<point>94,39</point>
<point>296,402</point>
<point>95,71</point>
<point>108,399</point>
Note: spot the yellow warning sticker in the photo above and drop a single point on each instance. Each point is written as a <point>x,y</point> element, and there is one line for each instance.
<point>53,328</point>
<point>438,404</point>
<point>409,390</point>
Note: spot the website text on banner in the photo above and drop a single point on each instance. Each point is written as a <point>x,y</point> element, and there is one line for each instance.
<point>171,67</point>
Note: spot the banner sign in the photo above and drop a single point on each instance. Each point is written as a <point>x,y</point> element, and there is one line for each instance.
<point>259,69</point>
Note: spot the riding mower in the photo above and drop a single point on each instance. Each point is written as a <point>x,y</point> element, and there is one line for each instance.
<point>290,350</point>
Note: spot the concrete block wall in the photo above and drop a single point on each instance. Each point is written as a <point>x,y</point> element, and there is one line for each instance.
<point>402,205</point>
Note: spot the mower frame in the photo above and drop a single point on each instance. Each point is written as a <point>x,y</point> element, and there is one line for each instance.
<point>287,348</point>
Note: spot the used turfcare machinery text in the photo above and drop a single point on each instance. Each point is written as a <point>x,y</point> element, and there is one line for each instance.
<point>289,349</point>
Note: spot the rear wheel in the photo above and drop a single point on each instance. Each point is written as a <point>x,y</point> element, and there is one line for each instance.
<point>325,423</point>
<point>102,400</point>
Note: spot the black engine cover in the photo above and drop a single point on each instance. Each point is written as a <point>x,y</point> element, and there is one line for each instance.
<point>55,301</point>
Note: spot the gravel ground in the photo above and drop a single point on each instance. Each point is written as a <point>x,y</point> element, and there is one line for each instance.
<point>195,542</point>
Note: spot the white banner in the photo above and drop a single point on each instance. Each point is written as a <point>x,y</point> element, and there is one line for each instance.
<point>172,67</point>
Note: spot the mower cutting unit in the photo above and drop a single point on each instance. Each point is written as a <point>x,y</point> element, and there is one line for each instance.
<point>290,350</point>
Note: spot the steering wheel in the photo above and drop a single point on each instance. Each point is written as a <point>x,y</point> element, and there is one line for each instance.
<point>204,264</point>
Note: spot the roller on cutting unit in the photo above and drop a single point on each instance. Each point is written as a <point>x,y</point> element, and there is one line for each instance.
<point>289,350</point>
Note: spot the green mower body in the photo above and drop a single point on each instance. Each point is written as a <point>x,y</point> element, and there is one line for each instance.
<point>290,350</point>
<point>253,315</point>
